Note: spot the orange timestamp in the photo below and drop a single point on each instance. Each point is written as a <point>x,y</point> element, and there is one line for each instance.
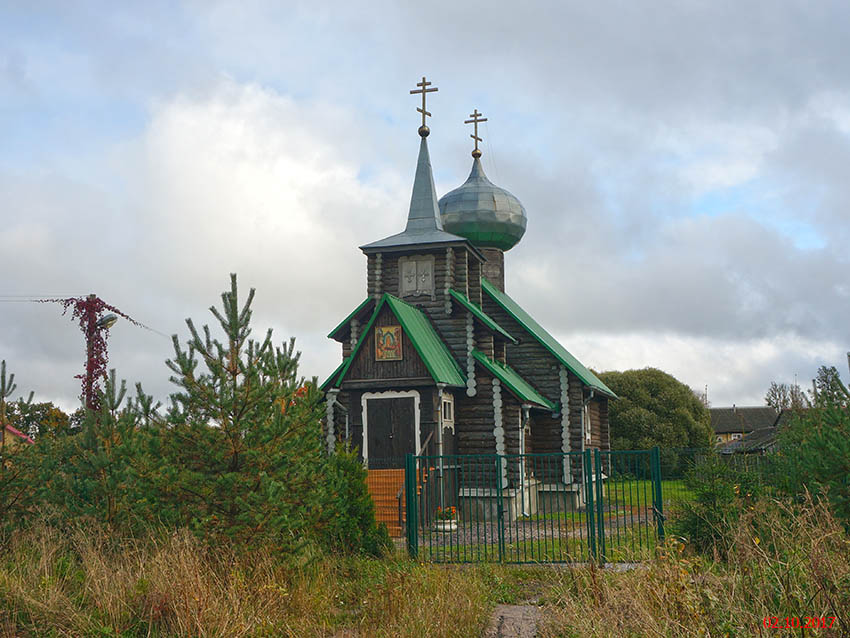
<point>796,622</point>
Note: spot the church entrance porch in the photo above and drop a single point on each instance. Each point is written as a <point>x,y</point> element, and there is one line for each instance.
<point>390,432</point>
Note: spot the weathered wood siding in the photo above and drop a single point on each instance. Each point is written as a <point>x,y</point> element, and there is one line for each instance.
<point>494,268</point>
<point>365,367</point>
<point>474,418</point>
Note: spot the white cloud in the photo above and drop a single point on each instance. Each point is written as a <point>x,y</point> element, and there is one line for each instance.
<point>150,151</point>
<point>735,371</point>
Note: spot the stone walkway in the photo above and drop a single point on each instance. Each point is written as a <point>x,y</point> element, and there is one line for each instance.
<point>513,621</point>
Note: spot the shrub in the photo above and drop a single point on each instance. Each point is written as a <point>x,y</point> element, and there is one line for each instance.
<point>720,492</point>
<point>352,529</point>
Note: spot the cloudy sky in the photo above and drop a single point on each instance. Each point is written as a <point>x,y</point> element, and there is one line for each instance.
<point>684,166</point>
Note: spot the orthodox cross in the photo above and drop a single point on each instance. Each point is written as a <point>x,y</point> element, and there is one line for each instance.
<point>476,118</point>
<point>423,89</point>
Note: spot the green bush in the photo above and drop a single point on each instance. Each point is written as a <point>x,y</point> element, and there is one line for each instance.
<point>353,528</point>
<point>720,493</point>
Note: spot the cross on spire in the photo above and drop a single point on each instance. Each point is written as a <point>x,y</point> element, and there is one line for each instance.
<point>423,89</point>
<point>476,118</point>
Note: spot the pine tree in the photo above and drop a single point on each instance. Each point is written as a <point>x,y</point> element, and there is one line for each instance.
<point>13,480</point>
<point>242,453</point>
<point>94,475</point>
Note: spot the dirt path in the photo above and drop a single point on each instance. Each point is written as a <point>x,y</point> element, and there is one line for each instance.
<point>513,621</point>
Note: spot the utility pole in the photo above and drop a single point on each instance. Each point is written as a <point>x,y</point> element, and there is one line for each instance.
<point>90,330</point>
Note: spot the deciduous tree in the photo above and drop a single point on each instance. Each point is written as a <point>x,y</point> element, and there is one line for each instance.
<point>654,408</point>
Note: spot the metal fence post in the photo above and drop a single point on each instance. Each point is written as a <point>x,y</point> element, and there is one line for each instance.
<point>500,509</point>
<point>588,503</point>
<point>657,494</point>
<point>600,511</point>
<point>411,505</point>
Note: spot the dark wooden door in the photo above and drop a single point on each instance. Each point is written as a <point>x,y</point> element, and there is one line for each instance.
<point>391,431</point>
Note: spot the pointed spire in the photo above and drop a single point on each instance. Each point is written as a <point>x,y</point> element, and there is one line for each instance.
<point>424,225</point>
<point>424,214</point>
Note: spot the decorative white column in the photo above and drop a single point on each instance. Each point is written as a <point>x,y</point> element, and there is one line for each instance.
<point>450,272</point>
<point>498,427</point>
<point>330,399</point>
<point>379,259</point>
<point>470,361</point>
<point>566,446</point>
<point>355,333</point>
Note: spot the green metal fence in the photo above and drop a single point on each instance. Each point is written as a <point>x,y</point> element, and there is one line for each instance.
<point>534,508</point>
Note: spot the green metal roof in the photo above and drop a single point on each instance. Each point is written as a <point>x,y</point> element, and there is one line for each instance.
<point>436,357</point>
<point>546,340</point>
<point>516,384</point>
<point>481,315</point>
<point>333,375</point>
<point>353,314</point>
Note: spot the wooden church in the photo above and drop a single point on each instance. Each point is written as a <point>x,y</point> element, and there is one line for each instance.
<point>439,360</point>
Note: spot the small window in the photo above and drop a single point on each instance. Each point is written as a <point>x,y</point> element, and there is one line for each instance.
<point>416,276</point>
<point>736,437</point>
<point>448,408</point>
<point>718,439</point>
<point>587,431</point>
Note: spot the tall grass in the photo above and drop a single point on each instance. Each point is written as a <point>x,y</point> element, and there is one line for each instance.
<point>86,584</point>
<point>784,561</point>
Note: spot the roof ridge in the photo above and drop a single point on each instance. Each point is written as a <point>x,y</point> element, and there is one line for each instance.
<point>550,343</point>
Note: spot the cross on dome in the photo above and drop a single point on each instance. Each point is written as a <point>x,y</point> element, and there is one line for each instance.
<point>476,118</point>
<point>423,89</point>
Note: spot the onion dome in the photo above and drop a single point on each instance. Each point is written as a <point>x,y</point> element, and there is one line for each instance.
<point>483,213</point>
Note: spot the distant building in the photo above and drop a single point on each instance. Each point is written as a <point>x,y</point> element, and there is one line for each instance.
<point>759,441</point>
<point>732,424</point>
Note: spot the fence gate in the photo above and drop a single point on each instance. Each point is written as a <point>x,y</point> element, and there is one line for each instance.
<point>534,508</point>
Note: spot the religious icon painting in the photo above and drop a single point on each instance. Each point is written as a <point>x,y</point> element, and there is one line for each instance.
<point>388,343</point>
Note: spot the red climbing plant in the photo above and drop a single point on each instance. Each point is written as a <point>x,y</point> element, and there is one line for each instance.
<point>88,312</point>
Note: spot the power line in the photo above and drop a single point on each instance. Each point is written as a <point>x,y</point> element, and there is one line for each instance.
<point>60,298</point>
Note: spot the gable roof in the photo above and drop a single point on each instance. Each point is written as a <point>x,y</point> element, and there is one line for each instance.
<point>16,432</point>
<point>342,324</point>
<point>481,315</point>
<point>431,349</point>
<point>738,419</point>
<point>545,339</point>
<point>333,375</point>
<point>789,414</point>
<point>516,384</point>
<point>757,441</point>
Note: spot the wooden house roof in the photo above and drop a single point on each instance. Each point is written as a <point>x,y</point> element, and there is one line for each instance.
<point>16,432</point>
<point>742,419</point>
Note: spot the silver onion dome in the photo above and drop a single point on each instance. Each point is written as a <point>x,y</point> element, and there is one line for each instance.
<point>483,213</point>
